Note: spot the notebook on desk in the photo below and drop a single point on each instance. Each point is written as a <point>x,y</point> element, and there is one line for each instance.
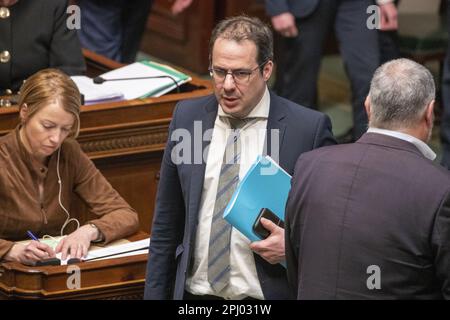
<point>115,249</point>
<point>95,93</point>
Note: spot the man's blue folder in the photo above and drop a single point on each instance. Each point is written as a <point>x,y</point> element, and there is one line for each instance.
<point>266,185</point>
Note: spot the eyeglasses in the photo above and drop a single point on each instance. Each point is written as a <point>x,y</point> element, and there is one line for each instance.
<point>240,76</point>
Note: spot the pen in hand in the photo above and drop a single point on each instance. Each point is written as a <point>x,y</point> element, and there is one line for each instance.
<point>44,255</point>
<point>32,236</point>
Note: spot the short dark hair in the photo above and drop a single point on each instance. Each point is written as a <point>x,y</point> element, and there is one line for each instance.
<point>242,28</point>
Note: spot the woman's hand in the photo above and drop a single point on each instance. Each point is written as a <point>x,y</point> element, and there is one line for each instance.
<point>29,254</point>
<point>77,243</point>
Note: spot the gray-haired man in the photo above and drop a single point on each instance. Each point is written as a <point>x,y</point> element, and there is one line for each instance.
<point>372,219</point>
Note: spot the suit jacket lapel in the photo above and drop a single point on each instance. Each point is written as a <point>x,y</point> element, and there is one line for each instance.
<point>276,128</point>
<point>198,170</point>
<point>388,141</point>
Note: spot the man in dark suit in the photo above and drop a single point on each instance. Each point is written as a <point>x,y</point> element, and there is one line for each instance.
<point>34,36</point>
<point>184,257</point>
<point>114,28</point>
<point>372,219</point>
<point>304,25</point>
<point>445,121</point>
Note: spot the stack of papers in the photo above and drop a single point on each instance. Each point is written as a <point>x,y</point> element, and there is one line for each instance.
<point>121,250</point>
<point>95,93</point>
<point>115,249</point>
<point>131,89</point>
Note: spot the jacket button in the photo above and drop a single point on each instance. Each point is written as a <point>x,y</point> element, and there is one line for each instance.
<point>5,103</point>
<point>5,56</point>
<point>4,13</point>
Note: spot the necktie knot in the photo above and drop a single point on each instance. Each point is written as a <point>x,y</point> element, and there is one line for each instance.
<point>236,123</point>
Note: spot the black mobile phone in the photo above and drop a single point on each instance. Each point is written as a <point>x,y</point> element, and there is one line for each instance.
<point>48,262</point>
<point>258,228</point>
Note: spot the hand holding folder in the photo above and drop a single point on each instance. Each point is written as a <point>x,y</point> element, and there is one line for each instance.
<point>266,185</point>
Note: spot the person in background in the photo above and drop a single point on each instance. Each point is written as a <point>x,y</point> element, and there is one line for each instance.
<point>43,167</point>
<point>371,219</point>
<point>304,25</point>
<point>388,31</point>
<point>445,120</point>
<point>194,252</point>
<point>115,28</point>
<point>34,36</point>
<point>180,5</point>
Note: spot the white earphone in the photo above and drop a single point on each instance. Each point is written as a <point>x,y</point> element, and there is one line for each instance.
<point>68,220</point>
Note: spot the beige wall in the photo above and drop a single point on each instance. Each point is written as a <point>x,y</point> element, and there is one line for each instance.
<point>419,6</point>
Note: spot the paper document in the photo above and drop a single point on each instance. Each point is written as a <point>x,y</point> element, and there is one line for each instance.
<point>122,250</point>
<point>131,89</point>
<point>95,93</point>
<point>52,242</point>
<point>115,249</point>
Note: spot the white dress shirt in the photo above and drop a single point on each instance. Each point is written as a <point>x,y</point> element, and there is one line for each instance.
<point>243,277</point>
<point>422,146</point>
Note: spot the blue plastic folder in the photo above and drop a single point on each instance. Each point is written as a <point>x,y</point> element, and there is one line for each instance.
<point>266,185</point>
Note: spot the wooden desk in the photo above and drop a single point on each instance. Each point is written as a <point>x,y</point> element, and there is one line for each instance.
<point>118,278</point>
<point>125,139</point>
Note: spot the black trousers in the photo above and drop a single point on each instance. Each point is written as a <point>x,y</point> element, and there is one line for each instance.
<point>113,28</point>
<point>445,120</point>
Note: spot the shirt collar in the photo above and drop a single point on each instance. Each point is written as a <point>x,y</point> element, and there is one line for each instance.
<point>422,146</point>
<point>261,110</point>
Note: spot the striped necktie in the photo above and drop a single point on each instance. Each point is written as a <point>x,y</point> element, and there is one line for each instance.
<point>219,241</point>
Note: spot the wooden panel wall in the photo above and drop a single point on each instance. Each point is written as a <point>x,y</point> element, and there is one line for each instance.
<point>183,40</point>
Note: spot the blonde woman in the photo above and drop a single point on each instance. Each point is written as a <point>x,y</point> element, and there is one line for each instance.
<point>42,167</point>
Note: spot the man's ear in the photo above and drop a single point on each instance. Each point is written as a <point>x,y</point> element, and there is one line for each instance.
<point>429,114</point>
<point>267,71</point>
<point>23,113</point>
<point>367,107</point>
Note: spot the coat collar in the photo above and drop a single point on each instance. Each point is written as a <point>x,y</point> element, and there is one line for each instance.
<point>276,126</point>
<point>24,156</point>
<point>208,119</point>
<point>388,141</point>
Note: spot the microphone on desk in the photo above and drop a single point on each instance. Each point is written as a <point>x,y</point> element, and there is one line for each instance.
<point>100,80</point>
